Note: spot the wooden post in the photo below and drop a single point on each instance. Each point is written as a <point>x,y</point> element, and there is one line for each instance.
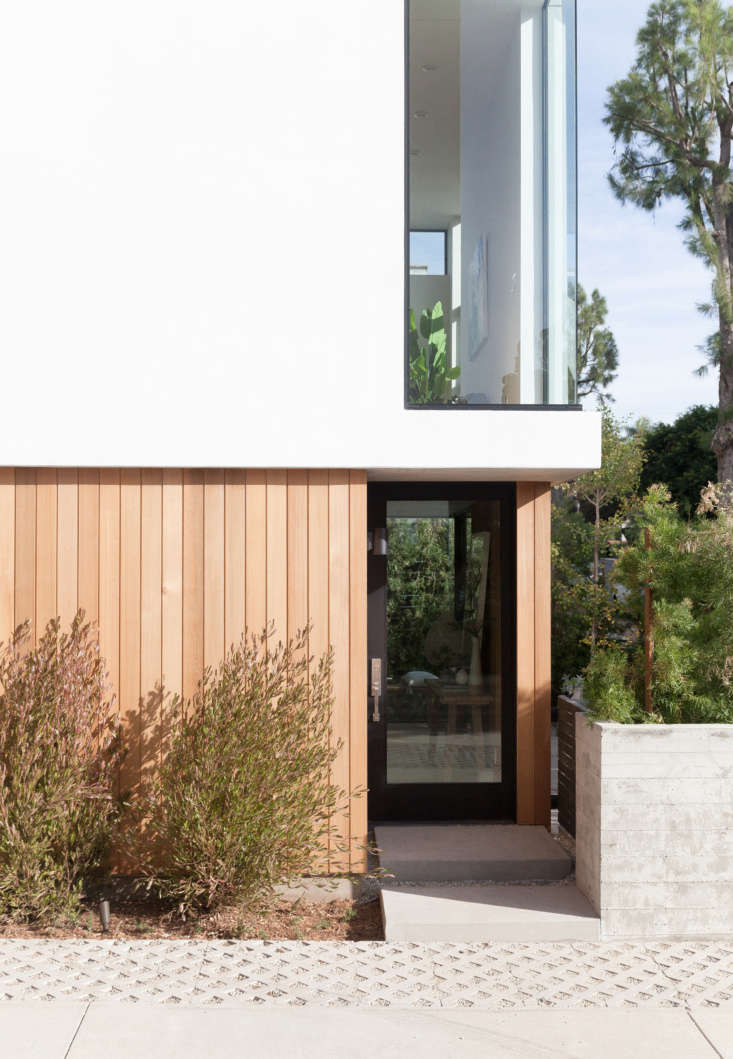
<point>648,634</point>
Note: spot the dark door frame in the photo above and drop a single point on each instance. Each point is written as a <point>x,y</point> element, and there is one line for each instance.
<point>445,801</point>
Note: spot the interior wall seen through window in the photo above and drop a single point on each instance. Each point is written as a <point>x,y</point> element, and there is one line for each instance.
<point>492,172</point>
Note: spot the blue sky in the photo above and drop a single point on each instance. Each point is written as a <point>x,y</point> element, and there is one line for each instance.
<point>637,260</point>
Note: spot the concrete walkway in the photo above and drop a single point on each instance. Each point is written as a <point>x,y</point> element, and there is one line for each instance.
<point>488,913</point>
<point>100,1030</point>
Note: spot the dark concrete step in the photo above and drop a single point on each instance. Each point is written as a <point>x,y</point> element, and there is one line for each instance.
<point>470,853</point>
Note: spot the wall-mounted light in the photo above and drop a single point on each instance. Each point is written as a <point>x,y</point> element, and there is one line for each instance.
<point>380,541</point>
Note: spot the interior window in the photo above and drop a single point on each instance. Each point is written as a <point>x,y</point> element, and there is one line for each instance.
<point>428,254</point>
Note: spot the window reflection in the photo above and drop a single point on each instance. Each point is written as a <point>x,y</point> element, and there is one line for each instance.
<point>444,638</point>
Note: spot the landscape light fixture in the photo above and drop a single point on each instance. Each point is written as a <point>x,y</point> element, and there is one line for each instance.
<point>104,915</point>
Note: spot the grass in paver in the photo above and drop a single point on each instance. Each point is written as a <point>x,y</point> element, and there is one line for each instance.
<point>132,918</point>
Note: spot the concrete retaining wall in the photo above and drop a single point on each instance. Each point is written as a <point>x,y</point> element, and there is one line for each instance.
<point>654,827</point>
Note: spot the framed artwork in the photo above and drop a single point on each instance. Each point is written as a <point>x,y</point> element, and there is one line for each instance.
<point>477,299</point>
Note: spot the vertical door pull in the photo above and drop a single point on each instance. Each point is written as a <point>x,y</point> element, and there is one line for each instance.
<point>376,686</point>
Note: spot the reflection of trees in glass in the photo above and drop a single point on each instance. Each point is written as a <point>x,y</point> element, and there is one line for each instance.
<point>597,349</point>
<point>421,596</point>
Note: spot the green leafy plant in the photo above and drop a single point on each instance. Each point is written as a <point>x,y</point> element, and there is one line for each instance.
<point>431,377</point>
<point>606,687</point>
<point>59,751</point>
<point>243,799</point>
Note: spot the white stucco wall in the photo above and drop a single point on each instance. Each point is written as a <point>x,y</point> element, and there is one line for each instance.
<point>201,262</point>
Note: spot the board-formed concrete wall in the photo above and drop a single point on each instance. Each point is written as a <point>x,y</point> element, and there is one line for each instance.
<point>654,827</point>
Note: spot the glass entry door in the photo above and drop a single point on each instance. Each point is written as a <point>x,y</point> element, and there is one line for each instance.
<point>441,651</point>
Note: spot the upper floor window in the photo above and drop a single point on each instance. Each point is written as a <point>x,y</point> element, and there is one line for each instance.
<point>428,254</point>
<point>492,263</point>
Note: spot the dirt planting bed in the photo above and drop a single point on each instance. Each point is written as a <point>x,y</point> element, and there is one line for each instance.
<point>133,918</point>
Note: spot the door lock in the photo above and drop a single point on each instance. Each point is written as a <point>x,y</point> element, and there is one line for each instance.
<point>376,686</point>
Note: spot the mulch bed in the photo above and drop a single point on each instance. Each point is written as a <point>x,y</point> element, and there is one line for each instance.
<point>136,919</point>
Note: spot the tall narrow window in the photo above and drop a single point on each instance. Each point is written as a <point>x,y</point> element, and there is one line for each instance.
<point>491,111</point>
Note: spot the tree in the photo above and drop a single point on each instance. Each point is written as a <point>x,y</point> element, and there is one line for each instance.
<point>587,515</point>
<point>616,483</point>
<point>689,566</point>
<point>672,115</point>
<point>578,603</point>
<point>597,349</point>
<point>680,456</point>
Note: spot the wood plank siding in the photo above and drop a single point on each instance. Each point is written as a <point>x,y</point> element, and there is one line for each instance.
<point>175,564</point>
<point>533,653</point>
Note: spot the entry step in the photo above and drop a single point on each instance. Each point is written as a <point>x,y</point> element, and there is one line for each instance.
<point>554,912</point>
<point>470,852</point>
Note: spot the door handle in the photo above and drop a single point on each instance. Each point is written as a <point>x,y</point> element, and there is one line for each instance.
<point>376,687</point>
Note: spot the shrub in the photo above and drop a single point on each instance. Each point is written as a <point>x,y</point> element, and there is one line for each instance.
<point>680,693</point>
<point>243,799</point>
<point>606,688</point>
<point>58,757</point>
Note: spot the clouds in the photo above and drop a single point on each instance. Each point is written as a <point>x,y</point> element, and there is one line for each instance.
<point>637,260</point>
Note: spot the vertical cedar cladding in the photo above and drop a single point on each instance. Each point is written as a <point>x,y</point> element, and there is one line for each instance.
<point>533,653</point>
<point>174,564</point>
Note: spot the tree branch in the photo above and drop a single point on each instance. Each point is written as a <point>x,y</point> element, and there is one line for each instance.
<point>652,165</point>
<point>654,132</point>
